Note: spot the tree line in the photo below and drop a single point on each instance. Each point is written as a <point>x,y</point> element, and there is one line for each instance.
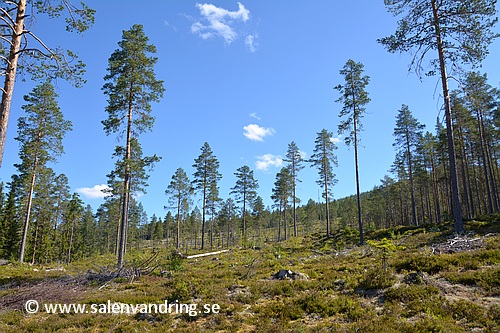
<point>435,177</point>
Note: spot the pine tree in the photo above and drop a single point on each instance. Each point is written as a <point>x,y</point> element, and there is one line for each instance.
<point>245,192</point>
<point>131,87</point>
<point>408,132</point>
<point>258,213</point>
<point>226,218</point>
<point>282,191</point>
<point>460,32</point>
<point>324,158</point>
<point>88,234</point>
<point>354,98</point>
<point>180,191</point>
<point>38,60</point>
<point>295,160</point>
<point>40,134</point>
<point>72,217</point>
<point>480,98</point>
<point>205,180</point>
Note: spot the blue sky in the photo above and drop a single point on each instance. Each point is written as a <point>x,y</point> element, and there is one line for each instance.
<point>246,77</point>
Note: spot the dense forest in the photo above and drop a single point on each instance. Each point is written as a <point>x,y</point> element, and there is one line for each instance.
<point>417,191</point>
<point>438,174</point>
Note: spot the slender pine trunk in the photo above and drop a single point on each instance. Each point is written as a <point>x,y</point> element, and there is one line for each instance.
<point>358,195</point>
<point>126,188</point>
<point>412,186</point>
<point>455,195</point>
<point>177,244</point>
<point>28,209</point>
<point>484,162</point>
<point>203,214</point>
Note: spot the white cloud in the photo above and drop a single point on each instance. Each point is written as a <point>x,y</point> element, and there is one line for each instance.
<point>303,154</point>
<point>251,44</point>
<point>336,140</point>
<point>217,21</point>
<point>256,133</point>
<point>94,192</point>
<point>265,161</point>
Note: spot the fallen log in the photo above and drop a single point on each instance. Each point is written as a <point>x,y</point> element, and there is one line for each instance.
<point>205,254</point>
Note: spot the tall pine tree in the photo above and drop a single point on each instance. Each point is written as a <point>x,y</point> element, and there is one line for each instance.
<point>324,159</point>
<point>205,181</point>
<point>408,133</point>
<point>180,190</point>
<point>245,192</point>
<point>40,134</point>
<point>354,97</point>
<point>131,87</point>
<point>295,160</point>
<point>282,191</point>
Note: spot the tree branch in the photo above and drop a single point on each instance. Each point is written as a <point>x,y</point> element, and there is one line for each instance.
<point>52,53</point>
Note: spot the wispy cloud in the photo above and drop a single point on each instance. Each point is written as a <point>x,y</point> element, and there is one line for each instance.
<point>254,115</point>
<point>256,133</point>
<point>217,21</point>
<point>251,43</point>
<point>167,24</point>
<point>95,192</point>
<point>223,23</point>
<point>266,161</point>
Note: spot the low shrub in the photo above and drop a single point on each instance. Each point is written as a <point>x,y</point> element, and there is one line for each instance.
<point>488,279</point>
<point>327,305</point>
<point>377,278</point>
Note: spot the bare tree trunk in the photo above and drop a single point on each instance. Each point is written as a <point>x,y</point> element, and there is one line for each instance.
<point>327,217</point>
<point>463,168</point>
<point>469,186</point>
<point>126,190</point>
<point>178,222</point>
<point>476,183</point>
<point>436,190</point>
<point>455,195</point>
<point>244,213</point>
<point>489,161</point>
<point>71,241</point>
<point>35,240</point>
<point>358,196</point>
<point>485,163</point>
<point>10,75</point>
<point>284,219</point>
<point>203,217</point>
<point>412,186</point>
<point>28,210</point>
<point>294,200</point>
